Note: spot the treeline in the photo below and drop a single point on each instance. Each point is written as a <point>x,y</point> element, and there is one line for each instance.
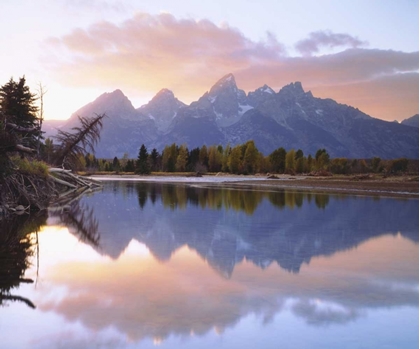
<point>243,159</point>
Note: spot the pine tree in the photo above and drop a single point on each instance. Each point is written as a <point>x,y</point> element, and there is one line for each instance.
<point>19,125</point>
<point>129,167</point>
<point>116,164</point>
<point>18,109</point>
<point>154,159</point>
<point>142,163</point>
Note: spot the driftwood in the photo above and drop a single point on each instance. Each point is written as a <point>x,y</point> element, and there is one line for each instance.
<point>59,188</point>
<point>60,181</point>
<point>76,186</point>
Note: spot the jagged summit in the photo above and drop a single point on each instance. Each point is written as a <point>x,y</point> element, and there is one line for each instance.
<point>294,90</point>
<point>227,79</point>
<point>163,96</point>
<point>116,95</point>
<point>109,102</point>
<point>165,93</point>
<point>227,82</point>
<point>266,89</point>
<point>260,95</point>
<point>162,109</point>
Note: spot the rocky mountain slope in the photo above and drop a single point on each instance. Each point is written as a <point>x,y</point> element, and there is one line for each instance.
<point>412,121</point>
<point>289,118</point>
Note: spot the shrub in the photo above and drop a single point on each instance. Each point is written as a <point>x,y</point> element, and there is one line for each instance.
<point>30,167</point>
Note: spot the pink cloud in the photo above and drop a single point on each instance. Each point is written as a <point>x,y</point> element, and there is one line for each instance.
<point>147,53</point>
<point>319,39</point>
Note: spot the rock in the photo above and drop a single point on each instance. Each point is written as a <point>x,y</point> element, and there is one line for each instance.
<point>19,208</point>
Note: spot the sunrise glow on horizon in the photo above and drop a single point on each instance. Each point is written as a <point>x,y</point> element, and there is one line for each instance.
<point>357,53</point>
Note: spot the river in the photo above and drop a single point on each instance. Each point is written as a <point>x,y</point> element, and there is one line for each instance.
<point>145,264</point>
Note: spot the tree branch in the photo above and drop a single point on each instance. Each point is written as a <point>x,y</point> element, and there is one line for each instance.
<point>22,129</point>
<point>23,149</point>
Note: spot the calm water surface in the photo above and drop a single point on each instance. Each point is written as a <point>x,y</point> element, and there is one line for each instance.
<point>140,265</point>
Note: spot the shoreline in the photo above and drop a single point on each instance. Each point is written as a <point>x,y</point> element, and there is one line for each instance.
<point>396,186</point>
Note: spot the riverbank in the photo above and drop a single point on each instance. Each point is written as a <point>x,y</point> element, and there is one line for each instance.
<point>372,185</point>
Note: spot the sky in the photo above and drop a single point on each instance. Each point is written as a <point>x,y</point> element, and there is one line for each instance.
<point>363,53</point>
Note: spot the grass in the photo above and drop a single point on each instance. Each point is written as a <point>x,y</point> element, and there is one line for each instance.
<point>30,167</point>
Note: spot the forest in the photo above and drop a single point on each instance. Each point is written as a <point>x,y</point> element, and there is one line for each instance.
<point>243,159</point>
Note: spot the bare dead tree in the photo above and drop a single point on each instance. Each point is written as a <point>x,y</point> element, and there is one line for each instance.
<point>79,142</point>
<point>41,93</point>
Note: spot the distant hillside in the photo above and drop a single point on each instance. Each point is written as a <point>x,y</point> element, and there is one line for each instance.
<point>289,118</point>
<point>412,121</point>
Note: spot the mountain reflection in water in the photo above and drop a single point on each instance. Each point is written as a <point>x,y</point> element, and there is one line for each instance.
<point>228,225</point>
<point>170,263</point>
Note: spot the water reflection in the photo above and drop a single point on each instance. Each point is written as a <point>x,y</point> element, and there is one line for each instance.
<point>167,261</point>
<point>144,298</point>
<point>79,218</point>
<point>17,246</point>
<point>180,196</point>
<point>226,226</point>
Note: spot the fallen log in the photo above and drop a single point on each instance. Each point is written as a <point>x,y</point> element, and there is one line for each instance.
<point>62,182</point>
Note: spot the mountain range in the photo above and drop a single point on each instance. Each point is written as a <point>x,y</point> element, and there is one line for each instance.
<point>289,118</point>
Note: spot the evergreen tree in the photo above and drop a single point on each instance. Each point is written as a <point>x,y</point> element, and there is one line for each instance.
<point>298,154</point>
<point>142,163</point>
<point>17,103</point>
<point>204,157</point>
<point>322,159</point>
<point>18,108</point>
<point>116,164</point>
<point>154,160</point>
<point>130,167</point>
<point>193,159</point>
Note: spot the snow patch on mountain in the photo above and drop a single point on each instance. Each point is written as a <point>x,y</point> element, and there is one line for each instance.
<point>268,90</point>
<point>244,108</point>
<point>219,116</point>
